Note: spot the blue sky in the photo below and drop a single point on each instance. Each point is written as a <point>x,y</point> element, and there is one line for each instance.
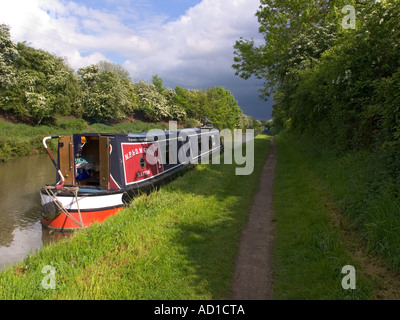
<point>185,42</point>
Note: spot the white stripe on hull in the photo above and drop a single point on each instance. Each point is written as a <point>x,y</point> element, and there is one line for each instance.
<point>92,202</point>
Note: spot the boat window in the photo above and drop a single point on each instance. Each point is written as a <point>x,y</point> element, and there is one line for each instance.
<point>142,162</point>
<point>200,148</point>
<point>167,155</point>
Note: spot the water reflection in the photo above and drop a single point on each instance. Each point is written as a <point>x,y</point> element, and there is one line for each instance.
<point>20,227</point>
<point>49,235</point>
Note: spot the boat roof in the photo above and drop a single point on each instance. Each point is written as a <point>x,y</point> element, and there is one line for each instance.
<point>140,135</point>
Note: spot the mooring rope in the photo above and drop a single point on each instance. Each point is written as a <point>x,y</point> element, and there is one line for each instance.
<point>77,204</point>
<point>49,191</point>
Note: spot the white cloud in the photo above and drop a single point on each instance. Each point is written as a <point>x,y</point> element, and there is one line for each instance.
<point>81,34</point>
<point>203,38</point>
<point>194,50</point>
<point>207,30</point>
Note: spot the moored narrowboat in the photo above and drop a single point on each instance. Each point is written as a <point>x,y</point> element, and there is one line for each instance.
<point>97,173</point>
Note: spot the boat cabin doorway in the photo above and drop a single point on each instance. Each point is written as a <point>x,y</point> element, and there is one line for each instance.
<point>85,160</point>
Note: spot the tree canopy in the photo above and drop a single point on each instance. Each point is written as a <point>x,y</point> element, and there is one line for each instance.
<point>40,86</point>
<point>328,80</point>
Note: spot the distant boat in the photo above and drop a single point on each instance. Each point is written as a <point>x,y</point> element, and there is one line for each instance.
<point>97,173</point>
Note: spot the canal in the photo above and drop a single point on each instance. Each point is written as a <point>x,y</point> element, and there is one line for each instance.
<point>20,228</point>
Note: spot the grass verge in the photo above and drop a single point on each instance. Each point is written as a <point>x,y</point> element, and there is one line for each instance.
<point>332,211</point>
<point>179,242</point>
<point>23,140</point>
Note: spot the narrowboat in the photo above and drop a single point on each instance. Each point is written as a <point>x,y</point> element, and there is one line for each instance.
<point>97,173</point>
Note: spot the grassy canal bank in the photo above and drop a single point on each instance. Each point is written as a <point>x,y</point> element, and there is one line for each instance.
<point>179,242</point>
<point>18,139</point>
<point>331,211</point>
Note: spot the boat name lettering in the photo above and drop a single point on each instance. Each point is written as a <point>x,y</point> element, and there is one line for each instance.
<point>143,173</point>
<point>130,154</point>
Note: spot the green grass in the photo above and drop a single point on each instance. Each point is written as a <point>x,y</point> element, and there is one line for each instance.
<point>368,196</point>
<point>22,140</point>
<point>310,249</point>
<point>366,192</point>
<point>179,242</point>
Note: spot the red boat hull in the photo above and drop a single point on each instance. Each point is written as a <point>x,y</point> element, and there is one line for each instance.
<point>97,173</point>
<point>64,222</point>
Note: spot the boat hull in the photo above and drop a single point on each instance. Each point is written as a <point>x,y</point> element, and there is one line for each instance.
<point>65,211</point>
<point>96,171</point>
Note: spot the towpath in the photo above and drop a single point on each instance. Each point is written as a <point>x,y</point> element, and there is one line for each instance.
<point>252,277</point>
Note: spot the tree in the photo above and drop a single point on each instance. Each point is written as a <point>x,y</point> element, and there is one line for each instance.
<point>8,56</point>
<point>283,24</point>
<point>221,108</point>
<point>177,112</point>
<point>66,92</point>
<point>326,79</point>
<point>158,84</point>
<point>39,84</point>
<point>114,68</point>
<point>54,87</point>
<point>152,102</point>
<point>107,92</point>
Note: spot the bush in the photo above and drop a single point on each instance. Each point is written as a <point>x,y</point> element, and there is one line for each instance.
<point>74,124</point>
<point>191,123</point>
<point>152,102</point>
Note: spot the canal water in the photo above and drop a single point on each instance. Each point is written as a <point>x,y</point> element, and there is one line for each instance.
<point>20,229</point>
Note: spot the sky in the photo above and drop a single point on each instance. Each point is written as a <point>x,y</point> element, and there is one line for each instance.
<point>187,43</point>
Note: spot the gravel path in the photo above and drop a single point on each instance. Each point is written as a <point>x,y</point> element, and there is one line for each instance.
<point>252,277</point>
